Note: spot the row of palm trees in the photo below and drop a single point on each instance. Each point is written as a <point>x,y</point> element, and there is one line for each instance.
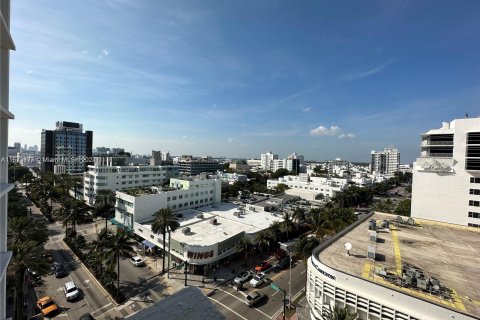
<point>26,237</point>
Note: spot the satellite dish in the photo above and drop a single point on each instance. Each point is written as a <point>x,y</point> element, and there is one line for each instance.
<point>348,247</point>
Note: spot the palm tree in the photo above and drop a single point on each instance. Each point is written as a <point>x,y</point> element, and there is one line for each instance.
<point>339,314</point>
<point>243,246</point>
<point>275,230</point>
<point>304,247</point>
<point>73,212</point>
<point>163,220</point>
<point>299,214</point>
<point>262,239</point>
<point>105,204</point>
<point>287,224</point>
<point>25,255</point>
<point>24,228</point>
<point>120,245</point>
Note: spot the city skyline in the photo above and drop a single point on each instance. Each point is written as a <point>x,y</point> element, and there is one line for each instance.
<point>324,80</point>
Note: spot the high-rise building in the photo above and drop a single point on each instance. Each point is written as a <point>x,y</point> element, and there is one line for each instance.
<point>266,160</point>
<point>6,44</point>
<point>67,149</point>
<point>385,162</point>
<point>446,177</point>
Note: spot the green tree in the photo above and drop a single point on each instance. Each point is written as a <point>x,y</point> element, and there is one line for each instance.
<point>338,313</point>
<point>304,246</point>
<point>279,173</point>
<point>262,239</point>
<point>319,171</point>
<point>73,212</point>
<point>24,228</point>
<point>243,247</point>
<point>384,206</point>
<point>287,224</point>
<point>120,246</point>
<point>25,255</point>
<point>164,219</point>
<point>105,204</point>
<point>404,208</point>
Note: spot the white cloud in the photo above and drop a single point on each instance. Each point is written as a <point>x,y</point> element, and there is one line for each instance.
<point>105,52</point>
<point>346,136</point>
<point>366,73</point>
<point>324,131</point>
<point>230,140</point>
<point>307,109</point>
<point>84,51</point>
<point>332,131</point>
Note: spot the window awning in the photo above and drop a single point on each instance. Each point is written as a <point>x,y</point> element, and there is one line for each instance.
<point>148,244</point>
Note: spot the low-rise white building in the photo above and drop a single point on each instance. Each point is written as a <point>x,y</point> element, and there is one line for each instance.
<point>137,205</point>
<point>231,178</point>
<point>103,175</point>
<point>309,188</point>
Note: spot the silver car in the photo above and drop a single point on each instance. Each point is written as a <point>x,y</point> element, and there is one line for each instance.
<point>243,277</point>
<point>253,298</point>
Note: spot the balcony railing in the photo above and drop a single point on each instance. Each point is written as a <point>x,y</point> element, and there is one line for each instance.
<point>437,155</point>
<point>436,143</point>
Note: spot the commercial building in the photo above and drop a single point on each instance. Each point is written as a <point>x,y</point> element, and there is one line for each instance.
<point>209,230</point>
<point>385,162</point>
<point>191,166</point>
<point>446,176</point>
<point>6,44</point>
<point>239,165</point>
<point>160,158</point>
<point>310,188</point>
<point>231,178</point>
<point>110,173</point>
<point>15,149</point>
<point>396,270</point>
<point>67,149</point>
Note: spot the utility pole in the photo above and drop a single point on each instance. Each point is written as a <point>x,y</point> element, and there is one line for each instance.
<point>290,282</point>
<point>169,240</point>
<point>186,271</point>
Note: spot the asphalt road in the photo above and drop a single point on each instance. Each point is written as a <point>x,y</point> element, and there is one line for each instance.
<point>230,302</point>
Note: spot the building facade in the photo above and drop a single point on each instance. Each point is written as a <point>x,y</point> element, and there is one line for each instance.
<point>67,149</point>
<point>6,44</point>
<point>385,162</point>
<point>191,166</point>
<point>106,175</point>
<point>309,188</point>
<point>138,205</point>
<point>266,160</point>
<point>449,169</point>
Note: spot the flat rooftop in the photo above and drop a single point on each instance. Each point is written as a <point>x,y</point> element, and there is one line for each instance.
<point>229,223</point>
<point>448,253</point>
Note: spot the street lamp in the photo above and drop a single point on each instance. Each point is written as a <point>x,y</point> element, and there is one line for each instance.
<point>169,254</point>
<point>290,282</point>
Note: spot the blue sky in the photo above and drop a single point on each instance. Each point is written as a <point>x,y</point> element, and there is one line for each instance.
<point>324,78</point>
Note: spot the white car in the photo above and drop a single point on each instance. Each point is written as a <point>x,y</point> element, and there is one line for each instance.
<point>136,261</point>
<point>258,279</point>
<point>242,277</point>
<point>71,291</point>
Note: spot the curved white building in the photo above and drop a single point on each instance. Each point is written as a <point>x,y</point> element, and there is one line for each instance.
<point>442,255</point>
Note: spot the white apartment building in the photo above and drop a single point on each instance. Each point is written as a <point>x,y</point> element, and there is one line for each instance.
<point>266,159</point>
<point>103,175</point>
<point>446,176</point>
<point>6,44</point>
<point>309,188</point>
<point>138,205</point>
<point>374,278</point>
<point>385,162</point>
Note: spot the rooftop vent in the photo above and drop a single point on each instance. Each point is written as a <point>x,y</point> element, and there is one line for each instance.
<point>372,225</point>
<point>213,221</point>
<point>371,252</point>
<point>186,230</point>
<point>200,216</point>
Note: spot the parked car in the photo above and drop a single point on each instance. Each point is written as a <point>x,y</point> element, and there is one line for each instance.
<point>253,298</point>
<point>282,263</point>
<point>136,261</point>
<point>47,306</point>
<point>258,279</point>
<point>71,291</point>
<point>87,316</point>
<point>59,271</point>
<point>34,278</point>
<point>262,266</point>
<point>242,277</point>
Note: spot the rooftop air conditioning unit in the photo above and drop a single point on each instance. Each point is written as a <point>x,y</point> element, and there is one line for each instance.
<point>371,252</point>
<point>186,230</point>
<point>372,225</point>
<point>373,236</point>
<point>213,221</point>
<point>200,216</point>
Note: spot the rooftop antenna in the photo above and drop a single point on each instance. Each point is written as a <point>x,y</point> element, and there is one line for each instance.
<point>348,247</point>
